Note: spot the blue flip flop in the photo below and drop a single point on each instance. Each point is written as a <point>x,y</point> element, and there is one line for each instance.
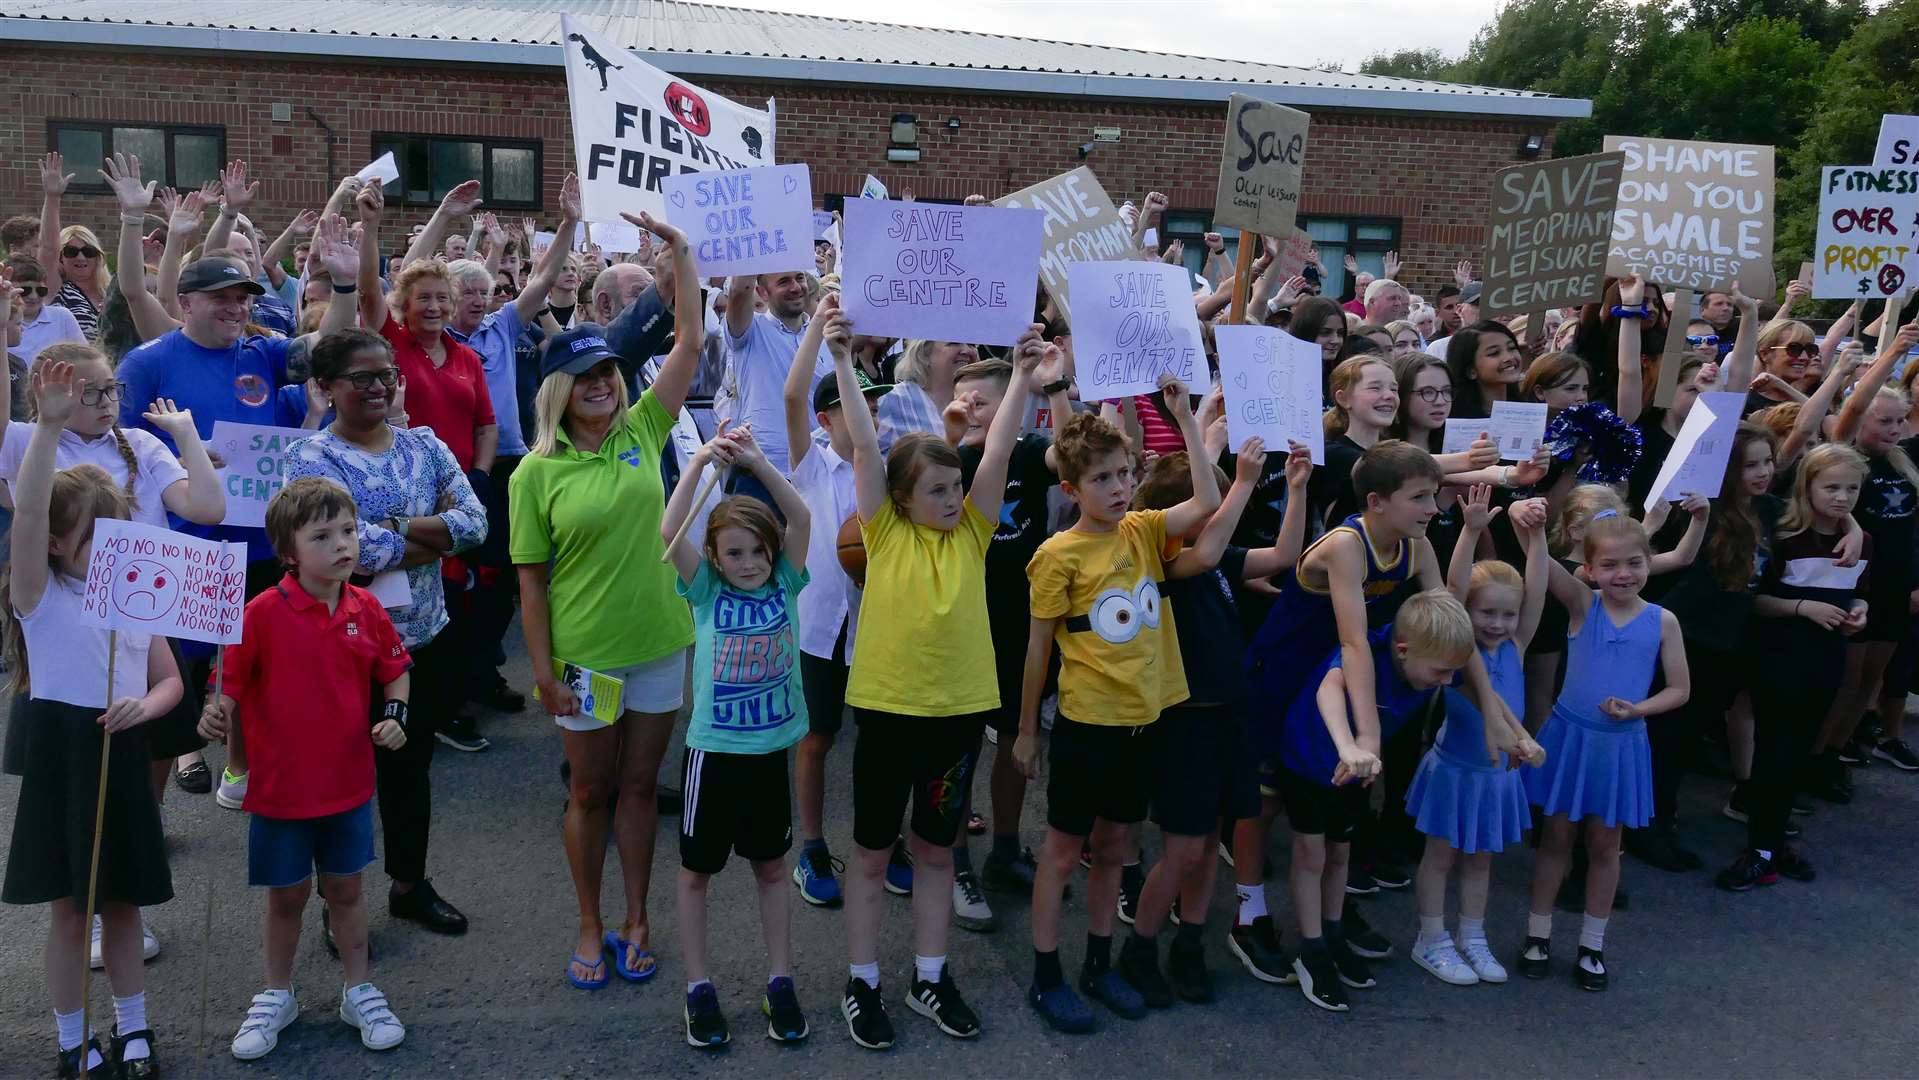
<point>598,961</point>
<point>620,945</point>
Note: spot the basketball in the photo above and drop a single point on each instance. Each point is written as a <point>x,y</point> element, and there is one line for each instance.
<point>853,550</point>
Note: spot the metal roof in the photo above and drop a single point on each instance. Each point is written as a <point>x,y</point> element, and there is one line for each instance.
<point>695,38</point>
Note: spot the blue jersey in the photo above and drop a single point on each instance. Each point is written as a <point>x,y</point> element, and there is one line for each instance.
<point>1307,748</point>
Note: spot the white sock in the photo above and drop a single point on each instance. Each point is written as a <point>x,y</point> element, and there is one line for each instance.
<point>1252,902</point>
<point>1539,926</point>
<point>867,973</point>
<point>1472,929</point>
<point>1592,934</point>
<point>71,1033</point>
<point>1431,928</point>
<point>130,1014</point>
<point>929,967</point>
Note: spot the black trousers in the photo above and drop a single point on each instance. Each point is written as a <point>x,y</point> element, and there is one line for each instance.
<point>403,778</point>
<point>1717,677</point>
<point>1784,723</point>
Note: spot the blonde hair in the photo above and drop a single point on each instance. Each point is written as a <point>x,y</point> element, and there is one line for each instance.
<point>1897,456</point>
<point>1614,526</point>
<point>1494,573</point>
<point>86,238</point>
<point>1781,418</point>
<point>81,495</point>
<point>1435,624</point>
<point>410,277</point>
<point>549,409</point>
<point>1581,505</point>
<point>78,353</point>
<point>915,362</point>
<point>1798,515</point>
<point>1345,376</point>
<point>1781,332</point>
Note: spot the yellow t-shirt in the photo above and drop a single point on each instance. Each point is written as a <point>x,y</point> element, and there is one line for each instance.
<point>1119,655</point>
<point>925,647</point>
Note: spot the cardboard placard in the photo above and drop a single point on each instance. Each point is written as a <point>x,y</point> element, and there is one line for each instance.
<point>1667,387</point>
<point>1549,234</point>
<point>256,460</point>
<point>1898,140</point>
<point>1863,247</point>
<point>156,581</point>
<point>1295,254</point>
<point>950,273</point>
<point>1260,167</point>
<point>1271,382</point>
<point>1697,463</point>
<point>1694,214</point>
<point>745,221</point>
<point>635,125</point>
<point>1136,322</point>
<point>1081,226</point>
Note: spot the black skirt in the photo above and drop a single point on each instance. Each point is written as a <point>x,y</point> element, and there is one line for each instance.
<point>59,747</point>
<point>178,732</point>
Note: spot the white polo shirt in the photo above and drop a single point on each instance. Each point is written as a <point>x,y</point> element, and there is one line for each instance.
<point>830,599</point>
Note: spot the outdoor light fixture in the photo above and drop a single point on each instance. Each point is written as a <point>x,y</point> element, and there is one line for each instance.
<point>902,153</point>
<point>952,123</point>
<point>1531,146</point>
<point>906,129</point>
<point>1086,150</point>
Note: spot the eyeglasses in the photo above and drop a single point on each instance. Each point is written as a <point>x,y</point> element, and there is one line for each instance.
<point>1433,394</point>
<point>37,290</point>
<point>94,395</point>
<point>503,290</point>
<point>1798,350</point>
<point>1709,339</point>
<point>363,380</point>
<point>72,252</point>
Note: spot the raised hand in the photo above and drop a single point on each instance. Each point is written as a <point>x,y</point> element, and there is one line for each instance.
<point>1351,264</point>
<point>1632,289</point>
<point>1175,253</point>
<point>1290,292</point>
<point>52,180</point>
<point>304,222</point>
<point>122,174</point>
<point>164,415</point>
<point>569,198</point>
<point>974,200</point>
<point>1030,349</point>
<point>657,226</point>
<point>1052,365</point>
<point>184,220</point>
<point>337,252</point>
<point>1747,306</point>
<point>1483,453</point>
<point>1477,507</point>
<point>1797,290</point>
<point>234,187</point>
<point>56,391</point>
<point>1252,461</point>
<point>1215,243</point>
<point>1299,467</point>
<point>463,199</point>
<point>1391,261</point>
<point>1528,515</point>
<point>1696,504</point>
<point>1463,273</point>
<point>1179,400</point>
<point>372,203</point>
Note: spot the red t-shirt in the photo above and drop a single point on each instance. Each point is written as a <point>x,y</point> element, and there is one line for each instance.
<point>451,399</point>
<point>303,680</point>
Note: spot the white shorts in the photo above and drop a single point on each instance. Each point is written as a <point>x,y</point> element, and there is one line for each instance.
<point>657,686</point>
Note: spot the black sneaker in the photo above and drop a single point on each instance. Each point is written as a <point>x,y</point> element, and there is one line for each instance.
<point>1748,869</point>
<point>423,905</point>
<point>784,1020</point>
<point>1388,875</point>
<point>1899,753</point>
<point>1186,970</point>
<point>1319,980</point>
<point>1131,880</point>
<point>1535,958</point>
<point>941,1003</point>
<point>460,733</point>
<point>1801,805</point>
<point>1856,751</point>
<point>1112,990</point>
<point>1359,881</point>
<point>865,1013</point>
<point>1014,875</point>
<point>1139,965</point>
<point>1792,864</point>
<point>1259,952</point>
<point>1353,969</point>
<point>1361,937</point>
<point>705,1024</point>
<point>1831,780</point>
<point>1591,977</point>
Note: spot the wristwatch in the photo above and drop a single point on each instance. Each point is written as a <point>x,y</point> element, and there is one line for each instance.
<point>1065,383</point>
<point>401,525</point>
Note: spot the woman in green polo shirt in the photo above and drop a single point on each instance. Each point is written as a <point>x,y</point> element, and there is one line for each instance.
<point>596,594</point>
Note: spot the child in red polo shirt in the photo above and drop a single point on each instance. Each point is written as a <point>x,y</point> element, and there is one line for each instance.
<point>300,680</point>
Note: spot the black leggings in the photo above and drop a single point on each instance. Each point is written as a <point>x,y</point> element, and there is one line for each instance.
<point>403,777</point>
<point>1717,677</point>
<point>1784,722</point>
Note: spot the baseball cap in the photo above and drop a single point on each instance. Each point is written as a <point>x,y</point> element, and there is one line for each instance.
<point>212,273</point>
<point>1470,293</point>
<point>827,394</point>
<point>575,351</point>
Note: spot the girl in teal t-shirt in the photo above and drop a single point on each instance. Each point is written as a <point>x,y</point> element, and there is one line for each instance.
<point>742,584</point>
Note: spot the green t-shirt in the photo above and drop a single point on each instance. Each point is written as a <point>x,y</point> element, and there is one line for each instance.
<point>595,520</point>
<point>746,663</point>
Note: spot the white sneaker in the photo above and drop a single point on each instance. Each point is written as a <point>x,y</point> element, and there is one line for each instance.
<point>1442,959</point>
<point>270,1013</point>
<point>232,790</point>
<point>1480,956</point>
<point>149,945</point>
<point>992,734</point>
<point>365,1008</point>
<point>970,909</point>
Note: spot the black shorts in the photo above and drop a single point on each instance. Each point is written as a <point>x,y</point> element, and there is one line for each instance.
<point>1321,809</point>
<point>1205,770</point>
<point>734,802</point>
<point>823,681</point>
<point>928,759</point>
<point>1100,772</point>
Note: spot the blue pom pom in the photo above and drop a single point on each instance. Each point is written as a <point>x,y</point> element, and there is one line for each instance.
<point>1613,446</point>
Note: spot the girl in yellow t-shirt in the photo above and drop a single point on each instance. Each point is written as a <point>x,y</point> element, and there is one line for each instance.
<point>922,682</point>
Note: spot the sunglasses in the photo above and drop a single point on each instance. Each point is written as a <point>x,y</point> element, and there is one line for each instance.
<point>503,290</point>
<point>37,290</point>
<point>72,252</point>
<point>1431,394</point>
<point>95,395</point>
<point>363,380</point>
<point>1708,339</point>
<point>1798,350</point>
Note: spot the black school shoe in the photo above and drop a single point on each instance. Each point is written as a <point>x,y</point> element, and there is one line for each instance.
<point>67,1065</point>
<point>195,779</point>
<point>1186,970</point>
<point>1830,779</point>
<point>1131,880</point>
<point>1535,958</point>
<point>1139,965</point>
<point>1587,979</point>
<point>423,905</point>
<point>460,733</point>
<point>495,694</point>
<point>146,1068</point>
<point>1353,969</point>
<point>1657,845</point>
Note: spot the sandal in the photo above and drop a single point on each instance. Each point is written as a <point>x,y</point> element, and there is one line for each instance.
<point>195,779</point>
<point>595,963</point>
<point>637,973</point>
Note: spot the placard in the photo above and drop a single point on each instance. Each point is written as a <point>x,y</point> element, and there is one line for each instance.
<point>1271,382</point>
<point>1295,254</point>
<point>1081,226</point>
<point>1898,141</point>
<point>1516,427</point>
<point>1549,234</point>
<point>614,237</point>
<point>950,273</point>
<point>872,188</point>
<point>635,125</point>
<point>382,168</point>
<point>1863,247</point>
<point>1260,167</point>
<point>256,458</point>
<point>1136,322</point>
<point>1694,214</point>
<point>156,581</point>
<point>1697,462</point>
<point>745,221</point>
<point>822,224</point>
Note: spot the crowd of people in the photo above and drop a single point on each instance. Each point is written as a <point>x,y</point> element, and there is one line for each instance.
<point>1415,655</point>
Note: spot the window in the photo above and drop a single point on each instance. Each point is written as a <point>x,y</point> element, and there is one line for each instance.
<point>1367,240</point>
<point>1190,227</point>
<point>177,157</point>
<point>430,166</point>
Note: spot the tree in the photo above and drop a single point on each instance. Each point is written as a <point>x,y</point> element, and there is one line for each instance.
<point>1428,64</point>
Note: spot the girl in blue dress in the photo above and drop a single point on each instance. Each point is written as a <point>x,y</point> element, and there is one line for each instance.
<point>1599,766</point>
<point>1465,796</point>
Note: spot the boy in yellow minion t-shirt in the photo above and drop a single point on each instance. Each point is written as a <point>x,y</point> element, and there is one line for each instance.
<point>1095,588</point>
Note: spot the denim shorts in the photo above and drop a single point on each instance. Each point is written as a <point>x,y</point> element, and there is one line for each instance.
<point>284,852</point>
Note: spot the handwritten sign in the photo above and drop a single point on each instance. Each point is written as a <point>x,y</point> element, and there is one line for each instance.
<point>156,581</point>
<point>256,457</point>
<point>1295,254</point>
<point>1271,382</point>
<point>1081,226</point>
<point>949,273</point>
<point>1863,248</point>
<point>1694,214</point>
<point>1136,322</point>
<point>1260,167</point>
<point>1697,463</point>
<point>822,224</point>
<point>1898,141</point>
<point>1550,231</point>
<point>745,221</point>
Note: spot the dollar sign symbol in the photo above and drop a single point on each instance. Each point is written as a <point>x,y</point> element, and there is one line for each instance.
<point>1865,286</point>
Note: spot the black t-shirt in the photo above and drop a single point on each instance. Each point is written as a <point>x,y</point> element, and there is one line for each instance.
<point>1259,528</point>
<point>1655,445</point>
<point>1708,612</point>
<point>1885,512</point>
<point>1022,528</point>
<point>1791,651</point>
<point>562,315</point>
<point>1331,488</point>
<point>1211,645</point>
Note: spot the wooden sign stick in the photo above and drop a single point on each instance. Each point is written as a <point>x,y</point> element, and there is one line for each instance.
<point>93,866</point>
<point>1668,386</point>
<point>206,927</point>
<point>1242,270</point>
<point>699,500</point>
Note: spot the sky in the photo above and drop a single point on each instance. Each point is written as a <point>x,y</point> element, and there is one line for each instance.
<point>1302,33</point>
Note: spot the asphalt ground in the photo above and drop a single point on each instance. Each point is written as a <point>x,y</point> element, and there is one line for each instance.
<point>1815,979</point>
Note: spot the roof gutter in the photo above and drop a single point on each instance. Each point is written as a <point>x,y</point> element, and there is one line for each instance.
<point>363,47</point>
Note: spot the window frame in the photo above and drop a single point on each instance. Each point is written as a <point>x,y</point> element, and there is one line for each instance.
<point>1335,284</point>
<point>397,194</point>
<point>85,177</point>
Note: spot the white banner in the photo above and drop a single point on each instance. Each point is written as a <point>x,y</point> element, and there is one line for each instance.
<point>634,125</point>
<point>145,578</point>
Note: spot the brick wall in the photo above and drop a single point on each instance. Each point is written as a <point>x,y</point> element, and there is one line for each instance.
<point>1429,171</point>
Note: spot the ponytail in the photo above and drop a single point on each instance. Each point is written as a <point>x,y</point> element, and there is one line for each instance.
<point>133,466</point>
